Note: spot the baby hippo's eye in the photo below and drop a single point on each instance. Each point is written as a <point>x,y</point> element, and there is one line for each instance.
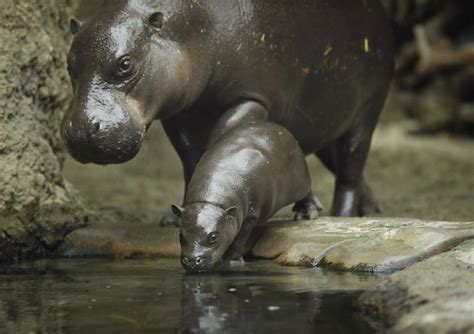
<point>124,67</point>
<point>213,238</point>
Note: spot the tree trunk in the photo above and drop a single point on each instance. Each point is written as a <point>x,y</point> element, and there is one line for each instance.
<point>37,207</point>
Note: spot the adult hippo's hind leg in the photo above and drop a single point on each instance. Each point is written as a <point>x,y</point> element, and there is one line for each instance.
<point>367,205</point>
<point>346,159</point>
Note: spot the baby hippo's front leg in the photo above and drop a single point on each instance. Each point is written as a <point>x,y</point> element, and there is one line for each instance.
<point>237,248</point>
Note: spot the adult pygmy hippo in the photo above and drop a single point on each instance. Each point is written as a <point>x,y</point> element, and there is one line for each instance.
<point>243,179</point>
<point>320,68</point>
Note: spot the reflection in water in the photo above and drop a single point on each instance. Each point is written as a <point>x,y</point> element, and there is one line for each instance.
<point>100,296</point>
<point>210,305</point>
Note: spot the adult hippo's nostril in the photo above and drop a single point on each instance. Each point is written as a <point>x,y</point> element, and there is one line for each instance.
<point>198,260</point>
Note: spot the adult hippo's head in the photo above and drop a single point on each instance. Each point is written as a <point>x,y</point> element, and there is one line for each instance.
<point>125,72</point>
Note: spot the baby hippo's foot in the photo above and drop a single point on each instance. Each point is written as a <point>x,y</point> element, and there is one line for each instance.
<point>233,254</point>
<point>232,265</point>
<point>308,208</point>
<point>170,220</point>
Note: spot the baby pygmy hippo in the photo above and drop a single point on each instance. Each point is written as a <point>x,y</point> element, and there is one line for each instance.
<point>242,180</point>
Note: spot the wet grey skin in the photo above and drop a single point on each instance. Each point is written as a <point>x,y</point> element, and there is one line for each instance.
<point>246,176</point>
<point>319,68</point>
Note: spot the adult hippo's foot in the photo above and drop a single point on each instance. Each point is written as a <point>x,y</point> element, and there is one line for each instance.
<point>354,201</point>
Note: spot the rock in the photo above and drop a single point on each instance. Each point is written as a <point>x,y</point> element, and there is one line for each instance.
<point>37,208</point>
<point>362,244</point>
<point>359,244</point>
<point>122,240</point>
<point>433,296</point>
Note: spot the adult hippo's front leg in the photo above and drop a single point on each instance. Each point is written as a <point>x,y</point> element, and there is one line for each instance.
<point>190,135</point>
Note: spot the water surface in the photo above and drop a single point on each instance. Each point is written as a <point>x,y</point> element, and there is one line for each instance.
<point>156,296</point>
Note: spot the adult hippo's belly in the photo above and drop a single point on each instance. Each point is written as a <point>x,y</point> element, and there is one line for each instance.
<point>320,68</point>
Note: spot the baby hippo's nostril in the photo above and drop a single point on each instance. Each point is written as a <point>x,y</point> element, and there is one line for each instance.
<point>96,127</point>
<point>198,260</point>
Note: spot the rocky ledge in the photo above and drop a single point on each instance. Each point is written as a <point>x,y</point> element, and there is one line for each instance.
<point>374,245</point>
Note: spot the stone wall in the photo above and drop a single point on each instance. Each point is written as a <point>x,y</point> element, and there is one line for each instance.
<point>37,208</point>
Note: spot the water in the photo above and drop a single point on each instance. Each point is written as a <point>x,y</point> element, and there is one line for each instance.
<point>136,296</point>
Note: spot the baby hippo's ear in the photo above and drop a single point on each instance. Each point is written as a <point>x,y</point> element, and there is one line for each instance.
<point>74,25</point>
<point>156,20</point>
<point>232,211</point>
<point>177,210</point>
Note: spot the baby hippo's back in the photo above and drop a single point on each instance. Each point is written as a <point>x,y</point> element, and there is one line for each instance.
<point>258,165</point>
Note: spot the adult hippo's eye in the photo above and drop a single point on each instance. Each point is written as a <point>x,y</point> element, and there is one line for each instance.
<point>213,238</point>
<point>124,67</point>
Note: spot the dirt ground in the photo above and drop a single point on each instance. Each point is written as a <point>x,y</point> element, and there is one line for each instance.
<point>425,177</point>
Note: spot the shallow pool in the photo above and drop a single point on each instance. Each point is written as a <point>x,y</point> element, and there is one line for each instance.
<point>156,296</point>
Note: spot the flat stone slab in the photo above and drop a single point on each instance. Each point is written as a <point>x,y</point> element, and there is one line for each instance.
<point>120,240</point>
<point>355,244</point>
<point>433,296</point>
<point>359,244</point>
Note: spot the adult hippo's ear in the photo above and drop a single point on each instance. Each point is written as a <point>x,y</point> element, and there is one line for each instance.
<point>156,20</point>
<point>74,25</point>
<point>177,210</point>
<point>232,211</point>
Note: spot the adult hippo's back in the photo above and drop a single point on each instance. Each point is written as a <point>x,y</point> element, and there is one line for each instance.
<point>321,68</point>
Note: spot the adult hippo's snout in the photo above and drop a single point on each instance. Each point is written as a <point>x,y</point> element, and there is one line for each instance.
<point>103,130</point>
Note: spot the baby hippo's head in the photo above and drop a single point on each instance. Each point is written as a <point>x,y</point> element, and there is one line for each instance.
<point>207,231</point>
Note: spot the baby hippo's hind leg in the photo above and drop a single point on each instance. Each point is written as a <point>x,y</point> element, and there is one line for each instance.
<point>308,208</point>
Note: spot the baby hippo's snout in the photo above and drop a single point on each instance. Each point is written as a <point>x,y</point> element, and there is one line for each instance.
<point>196,263</point>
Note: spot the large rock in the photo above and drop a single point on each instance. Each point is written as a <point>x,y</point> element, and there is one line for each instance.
<point>37,208</point>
